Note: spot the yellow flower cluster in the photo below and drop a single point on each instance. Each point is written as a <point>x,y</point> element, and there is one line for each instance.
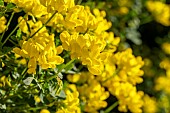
<point>57,5</point>
<point>71,103</point>
<point>125,65</point>
<point>129,66</point>
<point>40,49</point>
<point>32,7</point>
<point>127,96</point>
<point>120,75</point>
<point>124,6</point>
<point>150,104</point>
<point>91,92</point>
<point>3,22</point>
<point>160,11</point>
<point>122,72</point>
<point>87,37</point>
<point>162,82</point>
<point>83,32</point>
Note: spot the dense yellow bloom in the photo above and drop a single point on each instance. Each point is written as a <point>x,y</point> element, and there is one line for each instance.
<point>122,71</point>
<point>123,67</point>
<point>32,7</point>
<point>165,64</point>
<point>91,92</point>
<point>128,96</point>
<point>150,104</point>
<point>57,5</point>
<point>71,103</point>
<point>3,22</point>
<point>160,11</point>
<point>128,67</point>
<point>55,22</point>
<point>162,83</point>
<point>40,49</point>
<point>87,48</point>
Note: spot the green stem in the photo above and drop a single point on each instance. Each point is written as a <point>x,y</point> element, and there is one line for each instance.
<point>16,27</point>
<point>24,71</point>
<point>12,42</point>
<point>111,107</point>
<point>35,108</point>
<point>44,24</point>
<point>71,61</point>
<point>10,19</point>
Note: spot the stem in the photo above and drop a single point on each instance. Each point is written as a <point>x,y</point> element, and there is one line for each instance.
<point>7,25</point>
<point>111,107</point>
<point>35,108</point>
<point>24,71</point>
<point>71,61</point>
<point>44,24</point>
<point>16,27</point>
<point>12,42</point>
<point>22,75</point>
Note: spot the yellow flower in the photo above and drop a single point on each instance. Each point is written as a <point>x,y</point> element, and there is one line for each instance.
<point>160,11</point>
<point>150,104</point>
<point>32,7</point>
<point>3,22</point>
<point>91,92</point>
<point>163,84</point>
<point>85,48</point>
<point>71,103</point>
<point>4,81</point>
<point>129,66</point>
<point>166,47</point>
<point>128,96</point>
<point>40,49</point>
<point>57,5</point>
<point>37,99</point>
<point>44,111</point>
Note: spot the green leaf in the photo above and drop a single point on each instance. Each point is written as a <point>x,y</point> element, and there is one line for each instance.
<point>18,33</point>
<point>69,67</point>
<point>6,72</point>
<point>15,75</point>
<point>62,94</point>
<point>10,6</point>
<point>1,3</point>
<point>60,67</point>
<point>2,106</point>
<point>42,97</point>
<point>28,80</point>
<point>6,49</point>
